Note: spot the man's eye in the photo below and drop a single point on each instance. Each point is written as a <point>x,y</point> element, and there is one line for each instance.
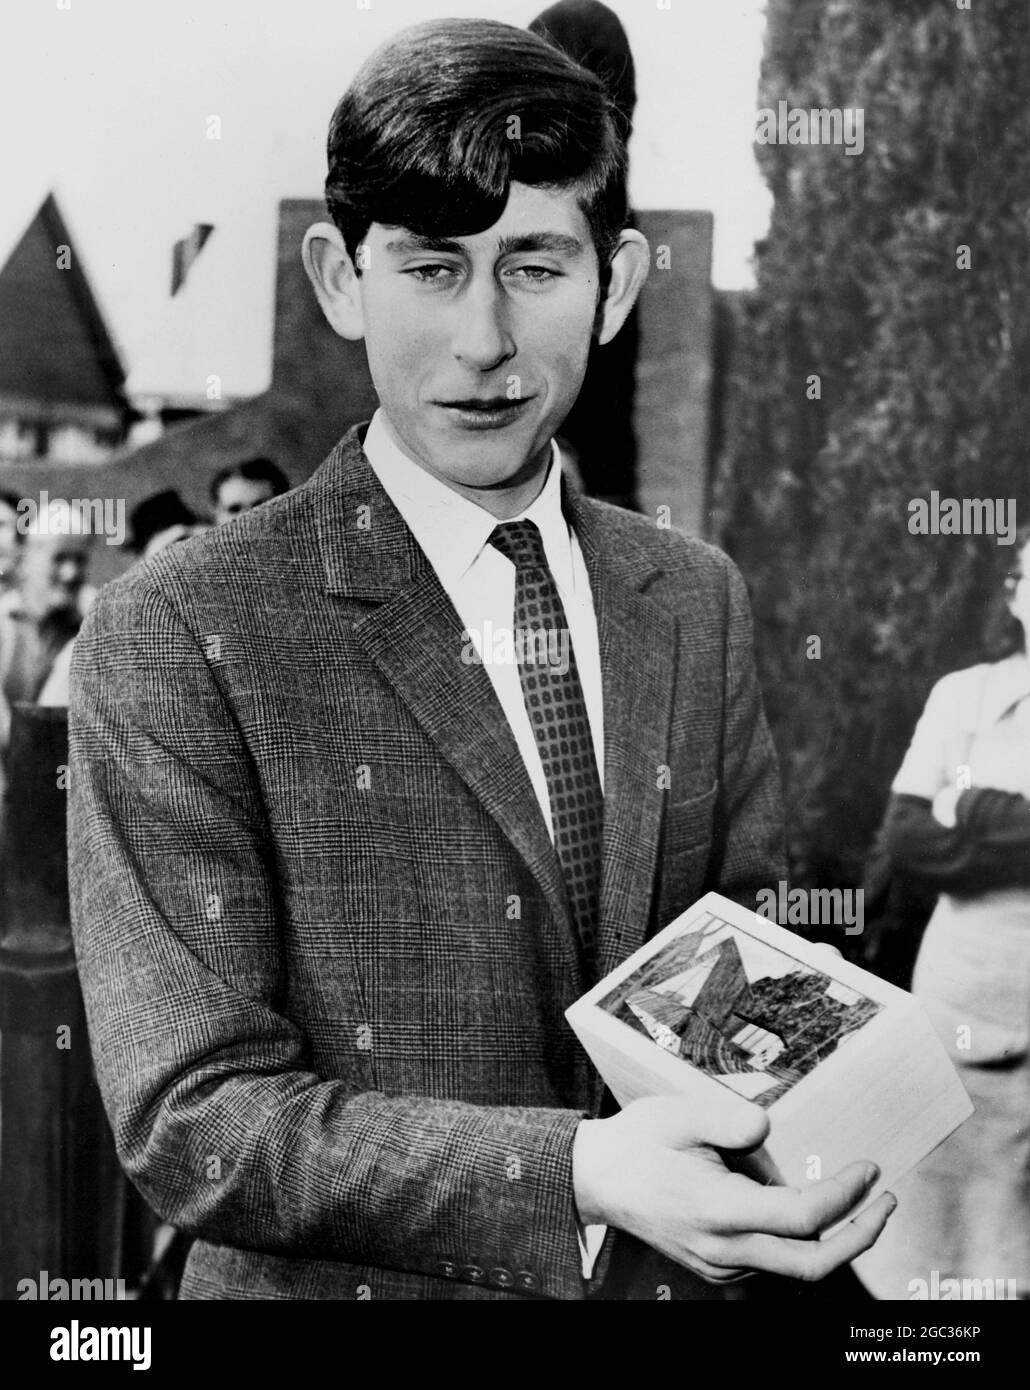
<point>430,274</point>
<point>538,273</point>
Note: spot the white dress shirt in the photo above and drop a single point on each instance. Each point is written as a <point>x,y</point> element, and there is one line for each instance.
<point>480,582</point>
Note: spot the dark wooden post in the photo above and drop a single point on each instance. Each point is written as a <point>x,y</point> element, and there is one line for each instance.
<point>60,1187</point>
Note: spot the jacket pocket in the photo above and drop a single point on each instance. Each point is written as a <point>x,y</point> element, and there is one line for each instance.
<point>686,850</point>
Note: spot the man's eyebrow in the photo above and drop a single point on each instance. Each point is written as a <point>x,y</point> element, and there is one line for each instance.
<point>412,242</point>
<point>559,243</point>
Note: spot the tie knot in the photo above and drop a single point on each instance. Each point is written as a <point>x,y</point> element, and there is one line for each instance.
<point>521,542</point>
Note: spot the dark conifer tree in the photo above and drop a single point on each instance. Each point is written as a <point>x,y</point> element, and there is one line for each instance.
<point>900,278</point>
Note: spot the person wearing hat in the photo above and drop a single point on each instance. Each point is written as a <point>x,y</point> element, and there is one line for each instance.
<point>159,521</point>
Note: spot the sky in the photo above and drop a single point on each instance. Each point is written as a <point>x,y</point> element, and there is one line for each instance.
<point>107,104</point>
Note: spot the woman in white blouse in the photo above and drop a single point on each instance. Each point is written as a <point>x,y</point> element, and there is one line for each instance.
<point>959,822</point>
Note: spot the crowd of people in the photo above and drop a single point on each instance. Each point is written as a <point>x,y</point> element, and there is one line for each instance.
<point>44,574</point>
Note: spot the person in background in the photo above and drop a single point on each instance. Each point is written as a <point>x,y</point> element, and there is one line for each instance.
<point>10,550</point>
<point>11,538</point>
<point>51,602</point>
<point>156,523</point>
<point>43,614</point>
<point>160,521</point>
<point>244,486</point>
<point>958,823</point>
<point>592,35</point>
<point>598,431</point>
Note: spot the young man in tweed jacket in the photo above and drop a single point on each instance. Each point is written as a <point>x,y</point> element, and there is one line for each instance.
<point>324,922</point>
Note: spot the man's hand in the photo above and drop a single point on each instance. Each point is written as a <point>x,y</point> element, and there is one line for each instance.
<point>655,1171</point>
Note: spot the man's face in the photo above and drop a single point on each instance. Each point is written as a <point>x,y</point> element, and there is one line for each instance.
<point>478,345</point>
<point>238,495</point>
<point>53,570</point>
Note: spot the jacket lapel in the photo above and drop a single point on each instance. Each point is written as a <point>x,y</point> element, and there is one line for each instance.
<point>638,643</point>
<point>413,635</point>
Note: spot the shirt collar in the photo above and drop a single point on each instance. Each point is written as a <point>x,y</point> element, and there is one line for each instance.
<point>453,530</point>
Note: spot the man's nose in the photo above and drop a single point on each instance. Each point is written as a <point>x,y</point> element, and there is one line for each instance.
<point>482,335</point>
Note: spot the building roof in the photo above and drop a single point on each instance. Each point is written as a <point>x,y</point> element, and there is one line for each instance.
<point>55,349</point>
<point>663,1008</point>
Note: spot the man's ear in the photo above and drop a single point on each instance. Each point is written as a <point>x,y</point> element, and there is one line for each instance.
<point>629,267</point>
<point>336,283</point>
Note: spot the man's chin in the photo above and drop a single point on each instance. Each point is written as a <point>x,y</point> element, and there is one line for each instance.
<point>492,475</point>
<point>495,458</point>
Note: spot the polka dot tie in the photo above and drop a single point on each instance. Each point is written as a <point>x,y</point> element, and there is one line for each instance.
<point>558,714</point>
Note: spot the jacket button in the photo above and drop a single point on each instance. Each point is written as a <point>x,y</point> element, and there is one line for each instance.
<point>527,1280</point>
<point>503,1278</point>
<point>475,1274</point>
<point>447,1268</point>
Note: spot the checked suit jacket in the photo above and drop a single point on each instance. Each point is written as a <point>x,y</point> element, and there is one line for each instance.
<point>321,928</point>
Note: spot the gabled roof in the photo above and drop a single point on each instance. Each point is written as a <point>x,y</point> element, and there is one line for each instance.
<point>55,348</point>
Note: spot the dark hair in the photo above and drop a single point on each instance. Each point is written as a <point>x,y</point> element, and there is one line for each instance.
<point>9,500</point>
<point>1004,633</point>
<point>592,35</point>
<point>155,514</point>
<point>257,470</point>
<point>443,118</point>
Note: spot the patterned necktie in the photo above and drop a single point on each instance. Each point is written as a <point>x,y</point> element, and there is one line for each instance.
<point>558,714</point>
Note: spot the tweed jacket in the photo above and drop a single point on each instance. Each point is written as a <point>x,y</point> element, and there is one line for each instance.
<point>321,927</point>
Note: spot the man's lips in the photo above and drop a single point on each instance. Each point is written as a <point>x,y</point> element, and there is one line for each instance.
<point>488,404</point>
<point>479,413</point>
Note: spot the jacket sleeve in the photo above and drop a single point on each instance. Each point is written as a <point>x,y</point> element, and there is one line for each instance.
<point>749,829</point>
<point>987,848</point>
<point>218,1116</point>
